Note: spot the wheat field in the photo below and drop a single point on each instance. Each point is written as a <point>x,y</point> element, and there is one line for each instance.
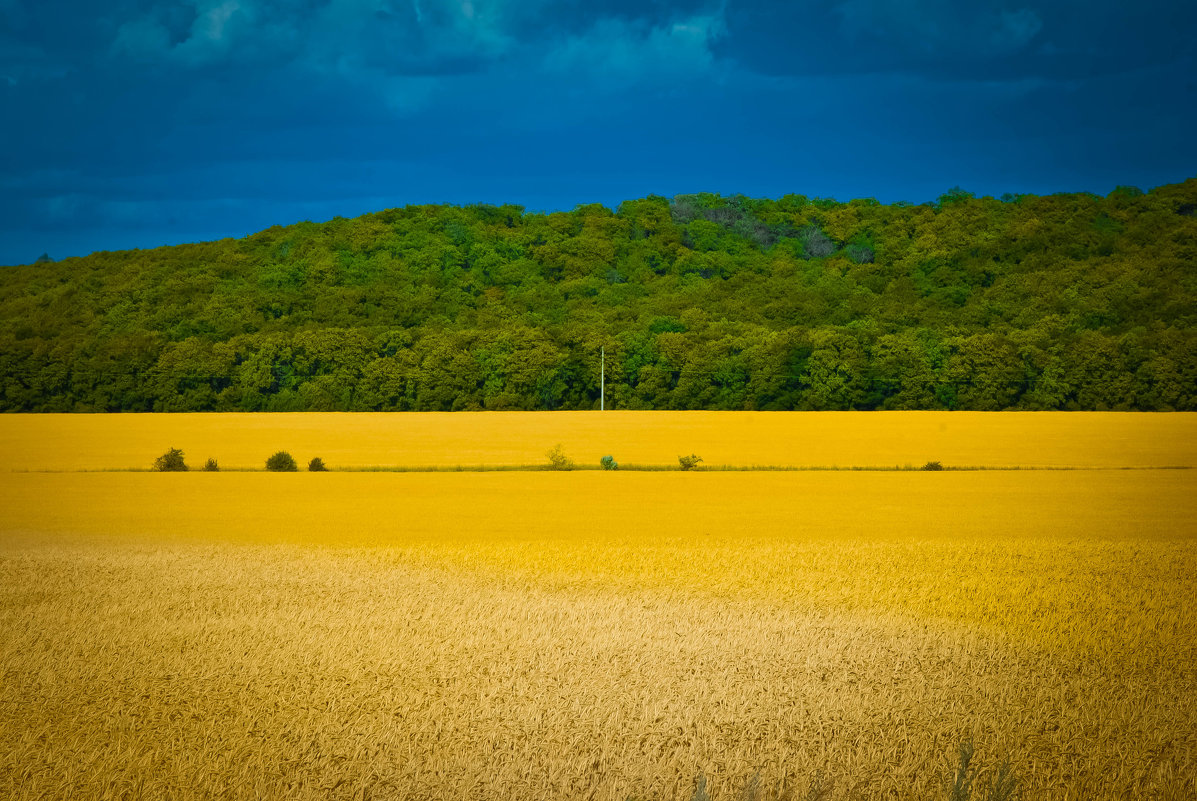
<point>801,439</point>
<point>595,635</point>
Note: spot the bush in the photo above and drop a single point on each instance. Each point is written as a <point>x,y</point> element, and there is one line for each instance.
<point>558,460</point>
<point>689,462</point>
<point>210,466</point>
<point>317,466</point>
<point>608,463</point>
<point>281,462</point>
<point>170,462</point>
<point>932,466</point>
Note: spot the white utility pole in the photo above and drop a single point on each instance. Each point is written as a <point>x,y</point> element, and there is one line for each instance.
<point>603,382</point>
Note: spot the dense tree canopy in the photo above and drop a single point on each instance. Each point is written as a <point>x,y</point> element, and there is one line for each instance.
<point>1068,301</point>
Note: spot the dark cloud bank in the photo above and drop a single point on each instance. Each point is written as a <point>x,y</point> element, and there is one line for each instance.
<point>135,124</point>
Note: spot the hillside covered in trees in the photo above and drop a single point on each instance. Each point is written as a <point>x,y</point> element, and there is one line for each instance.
<point>1068,301</point>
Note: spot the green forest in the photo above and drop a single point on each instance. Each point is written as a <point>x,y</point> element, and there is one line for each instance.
<point>1067,301</point>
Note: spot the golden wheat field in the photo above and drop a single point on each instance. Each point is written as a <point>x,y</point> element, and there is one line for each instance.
<point>804,439</point>
<point>597,635</point>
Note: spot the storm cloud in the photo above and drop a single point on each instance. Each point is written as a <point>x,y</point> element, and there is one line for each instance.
<point>136,123</point>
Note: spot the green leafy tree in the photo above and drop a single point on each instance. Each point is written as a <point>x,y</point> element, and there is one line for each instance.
<point>281,462</point>
<point>558,460</point>
<point>170,462</point>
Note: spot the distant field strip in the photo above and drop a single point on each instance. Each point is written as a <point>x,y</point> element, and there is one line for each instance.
<point>462,510</point>
<point>592,635</point>
<point>513,439</point>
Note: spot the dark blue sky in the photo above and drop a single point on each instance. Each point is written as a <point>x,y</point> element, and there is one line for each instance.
<point>132,123</point>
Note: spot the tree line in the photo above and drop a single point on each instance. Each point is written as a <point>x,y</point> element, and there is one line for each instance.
<point>1068,301</point>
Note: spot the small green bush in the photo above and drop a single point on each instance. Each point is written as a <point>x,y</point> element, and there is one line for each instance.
<point>689,462</point>
<point>932,466</point>
<point>210,466</point>
<point>170,462</point>
<point>281,462</point>
<point>558,460</point>
<point>608,463</point>
<point>317,466</point>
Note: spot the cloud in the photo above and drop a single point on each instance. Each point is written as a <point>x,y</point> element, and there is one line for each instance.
<point>616,53</point>
<point>394,37</point>
<point>949,40</point>
<point>403,37</point>
<point>202,33</point>
<point>939,28</point>
<point>410,56</point>
<point>217,27</point>
<point>416,38</point>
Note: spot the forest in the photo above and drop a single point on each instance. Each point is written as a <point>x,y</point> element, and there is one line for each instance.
<point>1066,301</point>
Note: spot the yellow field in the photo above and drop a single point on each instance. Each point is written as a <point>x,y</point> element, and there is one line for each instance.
<point>822,439</point>
<point>591,635</point>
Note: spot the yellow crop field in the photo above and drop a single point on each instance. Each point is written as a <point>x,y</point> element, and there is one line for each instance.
<point>598,635</point>
<point>804,439</point>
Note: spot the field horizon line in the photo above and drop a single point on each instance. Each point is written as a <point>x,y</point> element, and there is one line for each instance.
<point>628,468</point>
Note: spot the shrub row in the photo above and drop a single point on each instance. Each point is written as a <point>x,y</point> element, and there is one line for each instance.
<point>281,462</point>
<point>559,461</point>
